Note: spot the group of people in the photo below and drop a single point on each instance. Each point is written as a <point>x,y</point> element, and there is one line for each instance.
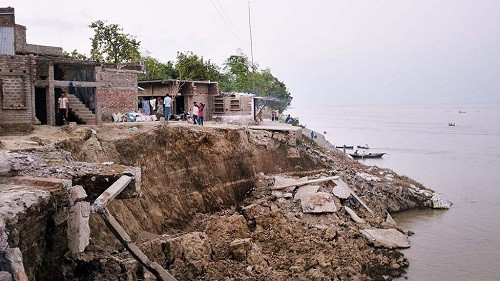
<point>198,113</point>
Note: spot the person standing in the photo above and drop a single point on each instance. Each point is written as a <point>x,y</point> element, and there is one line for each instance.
<point>195,113</point>
<point>167,101</point>
<point>160,110</point>
<point>201,113</point>
<point>62,108</point>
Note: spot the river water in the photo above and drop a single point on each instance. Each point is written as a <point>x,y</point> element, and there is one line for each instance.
<point>461,162</point>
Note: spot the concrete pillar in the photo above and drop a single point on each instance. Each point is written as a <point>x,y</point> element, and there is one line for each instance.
<point>78,231</point>
<point>51,109</point>
<point>97,102</point>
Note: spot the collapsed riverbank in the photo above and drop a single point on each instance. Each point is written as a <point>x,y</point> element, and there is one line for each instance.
<point>206,210</point>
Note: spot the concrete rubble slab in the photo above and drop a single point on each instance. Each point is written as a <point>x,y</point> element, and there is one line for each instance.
<point>353,215</point>
<point>367,177</point>
<point>390,220</point>
<point>341,189</point>
<point>306,189</point>
<point>320,202</point>
<point>386,238</point>
<point>439,202</point>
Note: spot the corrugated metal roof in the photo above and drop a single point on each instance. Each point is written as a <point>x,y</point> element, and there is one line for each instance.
<point>6,40</point>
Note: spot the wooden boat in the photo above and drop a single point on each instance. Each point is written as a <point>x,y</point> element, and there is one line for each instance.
<point>346,147</point>
<point>364,156</point>
<point>362,147</point>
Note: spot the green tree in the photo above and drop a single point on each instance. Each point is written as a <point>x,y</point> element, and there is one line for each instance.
<point>156,70</point>
<point>241,76</point>
<point>192,67</point>
<point>111,45</point>
<point>237,70</point>
<point>75,55</point>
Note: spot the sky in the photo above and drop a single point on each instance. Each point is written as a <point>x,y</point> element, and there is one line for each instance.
<point>327,52</point>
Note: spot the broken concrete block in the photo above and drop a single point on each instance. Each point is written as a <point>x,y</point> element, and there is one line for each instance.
<point>341,190</point>
<point>78,227</point>
<point>240,248</point>
<point>389,220</point>
<point>439,202</point>
<point>306,189</point>
<point>76,193</point>
<point>5,167</point>
<point>14,259</point>
<point>5,276</point>
<point>386,238</point>
<point>353,215</point>
<point>320,202</point>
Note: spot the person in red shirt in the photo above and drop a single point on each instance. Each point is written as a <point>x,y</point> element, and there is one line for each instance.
<point>201,113</point>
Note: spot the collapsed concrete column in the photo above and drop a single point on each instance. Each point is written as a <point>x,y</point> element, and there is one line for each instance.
<point>78,220</point>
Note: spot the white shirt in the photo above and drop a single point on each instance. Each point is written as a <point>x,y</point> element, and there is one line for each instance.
<point>63,103</point>
<point>195,110</point>
<point>167,101</point>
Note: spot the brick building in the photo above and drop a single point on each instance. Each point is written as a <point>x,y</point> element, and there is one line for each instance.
<point>183,92</point>
<point>32,78</point>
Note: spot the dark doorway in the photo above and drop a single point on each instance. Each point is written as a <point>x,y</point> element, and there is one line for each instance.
<point>41,105</point>
<point>179,105</point>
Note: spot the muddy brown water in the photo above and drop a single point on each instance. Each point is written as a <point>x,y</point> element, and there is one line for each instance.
<point>460,162</point>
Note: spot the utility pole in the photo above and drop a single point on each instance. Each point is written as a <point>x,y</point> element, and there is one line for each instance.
<point>251,46</point>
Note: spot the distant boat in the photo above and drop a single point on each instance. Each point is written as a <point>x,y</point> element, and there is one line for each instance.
<point>460,111</point>
<point>363,147</point>
<point>369,155</point>
<point>451,124</point>
<point>346,147</point>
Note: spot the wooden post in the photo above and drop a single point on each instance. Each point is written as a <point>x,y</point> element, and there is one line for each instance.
<point>159,272</point>
<point>109,194</point>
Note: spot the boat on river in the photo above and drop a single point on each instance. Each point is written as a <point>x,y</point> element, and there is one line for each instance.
<point>368,155</point>
<point>346,147</point>
<point>363,147</point>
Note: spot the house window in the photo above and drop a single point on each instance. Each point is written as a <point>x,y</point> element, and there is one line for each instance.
<point>218,105</point>
<point>235,104</point>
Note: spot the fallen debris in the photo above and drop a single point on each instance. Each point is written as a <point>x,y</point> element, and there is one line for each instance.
<point>389,220</point>
<point>301,183</point>
<point>320,202</point>
<point>439,202</point>
<point>306,189</point>
<point>353,215</point>
<point>341,189</point>
<point>386,238</point>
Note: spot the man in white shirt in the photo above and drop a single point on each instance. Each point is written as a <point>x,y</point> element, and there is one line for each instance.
<point>195,113</point>
<point>62,108</point>
<point>167,101</point>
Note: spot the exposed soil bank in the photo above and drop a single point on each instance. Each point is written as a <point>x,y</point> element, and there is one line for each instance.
<point>207,213</point>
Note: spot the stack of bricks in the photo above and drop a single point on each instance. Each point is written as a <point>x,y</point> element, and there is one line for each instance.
<point>17,89</point>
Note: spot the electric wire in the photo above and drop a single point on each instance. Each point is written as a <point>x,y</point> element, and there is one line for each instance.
<point>225,22</point>
<point>229,19</point>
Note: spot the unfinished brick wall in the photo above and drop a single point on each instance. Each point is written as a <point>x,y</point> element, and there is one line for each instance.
<point>117,91</point>
<point>17,89</point>
<point>19,34</point>
<point>7,16</point>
